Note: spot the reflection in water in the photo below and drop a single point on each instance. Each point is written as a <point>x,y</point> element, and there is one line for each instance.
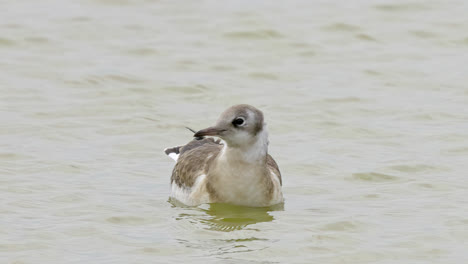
<point>227,217</point>
<point>224,218</point>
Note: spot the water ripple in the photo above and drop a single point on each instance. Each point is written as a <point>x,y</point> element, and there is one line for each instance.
<point>374,177</point>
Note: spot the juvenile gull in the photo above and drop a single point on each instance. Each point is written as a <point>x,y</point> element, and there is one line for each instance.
<point>238,171</point>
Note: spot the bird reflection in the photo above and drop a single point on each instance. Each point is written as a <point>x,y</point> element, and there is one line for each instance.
<point>227,217</point>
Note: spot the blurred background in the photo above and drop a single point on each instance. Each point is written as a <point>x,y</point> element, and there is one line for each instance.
<point>366,104</point>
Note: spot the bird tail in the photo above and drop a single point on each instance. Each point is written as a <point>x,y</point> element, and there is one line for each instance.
<point>173,152</point>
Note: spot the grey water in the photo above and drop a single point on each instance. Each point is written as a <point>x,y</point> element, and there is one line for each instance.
<point>366,104</point>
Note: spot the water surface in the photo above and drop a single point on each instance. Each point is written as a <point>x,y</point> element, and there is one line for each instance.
<point>366,104</point>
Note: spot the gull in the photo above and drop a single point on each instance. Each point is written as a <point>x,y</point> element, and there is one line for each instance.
<point>237,170</point>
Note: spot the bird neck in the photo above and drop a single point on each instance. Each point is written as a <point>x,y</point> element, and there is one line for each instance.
<point>254,153</point>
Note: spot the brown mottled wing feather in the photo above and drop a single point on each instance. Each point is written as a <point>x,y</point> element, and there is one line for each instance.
<point>271,163</point>
<point>198,143</point>
<point>193,159</point>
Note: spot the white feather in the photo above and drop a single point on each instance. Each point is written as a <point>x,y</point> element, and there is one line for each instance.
<point>174,156</point>
<point>193,196</point>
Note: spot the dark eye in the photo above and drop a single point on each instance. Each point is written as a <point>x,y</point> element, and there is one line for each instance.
<point>239,121</point>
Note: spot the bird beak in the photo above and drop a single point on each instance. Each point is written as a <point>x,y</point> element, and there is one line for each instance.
<point>211,131</point>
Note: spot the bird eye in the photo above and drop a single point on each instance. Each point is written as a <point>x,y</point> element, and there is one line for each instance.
<point>239,121</point>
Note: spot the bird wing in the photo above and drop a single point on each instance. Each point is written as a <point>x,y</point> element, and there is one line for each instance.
<point>271,163</point>
<point>192,160</point>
